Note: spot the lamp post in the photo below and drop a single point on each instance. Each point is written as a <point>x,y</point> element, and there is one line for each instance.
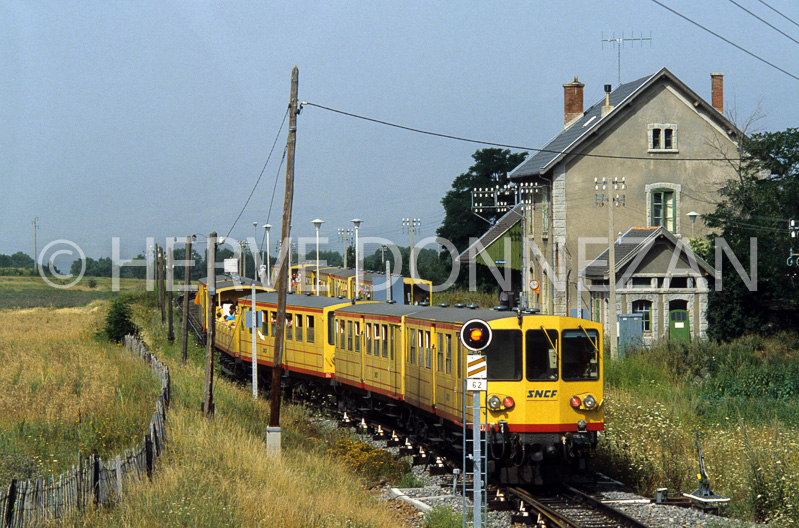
<point>692,215</point>
<point>357,223</point>
<point>317,223</point>
<point>268,260</point>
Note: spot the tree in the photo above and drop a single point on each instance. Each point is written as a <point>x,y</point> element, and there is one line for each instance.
<point>759,204</point>
<point>491,167</point>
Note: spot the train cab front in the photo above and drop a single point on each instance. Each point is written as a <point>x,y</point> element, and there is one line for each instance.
<point>544,399</point>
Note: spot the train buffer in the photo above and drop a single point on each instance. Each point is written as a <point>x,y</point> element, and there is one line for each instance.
<point>703,497</point>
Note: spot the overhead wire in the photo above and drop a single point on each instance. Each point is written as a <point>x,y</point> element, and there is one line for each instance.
<point>731,43</point>
<point>764,21</point>
<point>260,175</point>
<point>782,15</point>
<point>505,145</point>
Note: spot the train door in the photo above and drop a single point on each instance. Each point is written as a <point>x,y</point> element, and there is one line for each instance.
<point>413,339</point>
<point>395,359</point>
<point>376,357</point>
<point>426,368</point>
<point>446,376</point>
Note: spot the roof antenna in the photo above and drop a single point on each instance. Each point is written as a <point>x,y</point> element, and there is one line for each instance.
<point>619,42</point>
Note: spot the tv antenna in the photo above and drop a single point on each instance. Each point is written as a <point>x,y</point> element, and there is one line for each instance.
<point>619,43</point>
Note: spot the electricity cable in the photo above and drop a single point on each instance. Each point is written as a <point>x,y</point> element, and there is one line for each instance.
<point>765,22</point>
<point>761,59</point>
<point>260,175</point>
<point>495,144</point>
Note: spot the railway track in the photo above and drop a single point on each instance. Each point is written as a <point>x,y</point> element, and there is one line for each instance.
<point>568,508</point>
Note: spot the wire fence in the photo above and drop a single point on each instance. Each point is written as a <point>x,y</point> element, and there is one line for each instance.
<point>93,480</point>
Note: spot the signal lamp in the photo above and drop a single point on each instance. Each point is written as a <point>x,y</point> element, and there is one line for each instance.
<point>575,402</point>
<point>494,403</point>
<point>508,402</point>
<point>589,402</point>
<point>476,334</point>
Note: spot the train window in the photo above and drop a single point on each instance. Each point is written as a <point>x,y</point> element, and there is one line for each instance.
<point>298,327</point>
<point>309,325</point>
<point>265,324</point>
<point>460,372</point>
<point>272,321</point>
<point>440,354</point>
<point>412,348</point>
<point>579,358</point>
<point>504,355</point>
<point>368,330</point>
<point>289,329</point>
<point>448,337</point>
<point>332,328</point>
<point>393,335</point>
<point>384,339</point>
<point>542,355</point>
<point>357,336</point>
<point>349,336</point>
<point>420,342</point>
<point>341,333</point>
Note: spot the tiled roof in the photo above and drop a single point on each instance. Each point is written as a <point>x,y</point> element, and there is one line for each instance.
<point>590,119</point>
<point>629,242</point>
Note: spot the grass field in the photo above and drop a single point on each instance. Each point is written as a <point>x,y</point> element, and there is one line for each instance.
<point>62,390</point>
<point>29,292</point>
<point>742,399</point>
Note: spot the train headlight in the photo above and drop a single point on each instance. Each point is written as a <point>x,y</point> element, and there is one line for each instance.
<point>575,402</point>
<point>589,402</point>
<point>508,402</point>
<point>494,403</point>
<point>581,425</point>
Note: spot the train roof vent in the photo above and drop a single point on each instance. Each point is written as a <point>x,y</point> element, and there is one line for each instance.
<point>392,301</point>
<point>307,294</point>
<point>443,305</point>
<point>531,311</point>
<point>340,297</point>
<point>501,308</point>
<point>473,306</point>
<point>424,303</point>
<point>459,305</point>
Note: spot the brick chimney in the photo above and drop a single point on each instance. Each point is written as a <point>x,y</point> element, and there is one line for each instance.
<point>572,101</point>
<point>717,82</point>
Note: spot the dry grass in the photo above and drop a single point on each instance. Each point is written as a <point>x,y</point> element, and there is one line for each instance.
<point>62,390</point>
<point>217,473</point>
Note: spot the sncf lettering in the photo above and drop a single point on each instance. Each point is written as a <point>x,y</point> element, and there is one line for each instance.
<point>541,394</point>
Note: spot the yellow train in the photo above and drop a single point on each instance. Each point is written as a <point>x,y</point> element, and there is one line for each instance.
<point>406,364</point>
<point>340,282</point>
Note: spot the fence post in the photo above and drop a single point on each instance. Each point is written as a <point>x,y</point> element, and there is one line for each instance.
<point>12,497</point>
<point>119,475</point>
<point>148,454</point>
<point>95,468</point>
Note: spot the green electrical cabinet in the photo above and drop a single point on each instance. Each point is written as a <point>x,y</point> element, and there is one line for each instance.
<point>679,326</point>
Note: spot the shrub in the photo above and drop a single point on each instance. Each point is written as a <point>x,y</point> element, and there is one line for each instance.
<point>375,464</point>
<point>442,517</point>
<point>118,322</point>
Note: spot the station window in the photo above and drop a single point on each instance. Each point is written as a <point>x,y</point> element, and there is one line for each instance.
<point>662,137</point>
<point>579,358</point>
<point>662,213</point>
<point>644,307</point>
<point>542,355</point>
<point>309,328</point>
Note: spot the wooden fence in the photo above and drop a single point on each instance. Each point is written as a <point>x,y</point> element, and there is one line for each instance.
<point>93,480</point>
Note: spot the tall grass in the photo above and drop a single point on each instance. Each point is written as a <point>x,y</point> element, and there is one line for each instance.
<point>740,397</point>
<point>217,473</point>
<point>62,390</point>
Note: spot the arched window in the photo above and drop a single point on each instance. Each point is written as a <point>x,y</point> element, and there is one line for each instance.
<point>644,307</point>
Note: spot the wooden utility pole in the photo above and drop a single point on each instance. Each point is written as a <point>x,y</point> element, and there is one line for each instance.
<point>285,248</point>
<point>160,283</point>
<point>170,274</point>
<point>210,318</point>
<point>184,346</point>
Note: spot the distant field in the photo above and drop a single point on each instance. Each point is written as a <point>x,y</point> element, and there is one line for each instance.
<point>31,292</point>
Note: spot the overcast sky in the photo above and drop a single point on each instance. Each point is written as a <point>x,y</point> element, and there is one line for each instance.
<point>136,119</point>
